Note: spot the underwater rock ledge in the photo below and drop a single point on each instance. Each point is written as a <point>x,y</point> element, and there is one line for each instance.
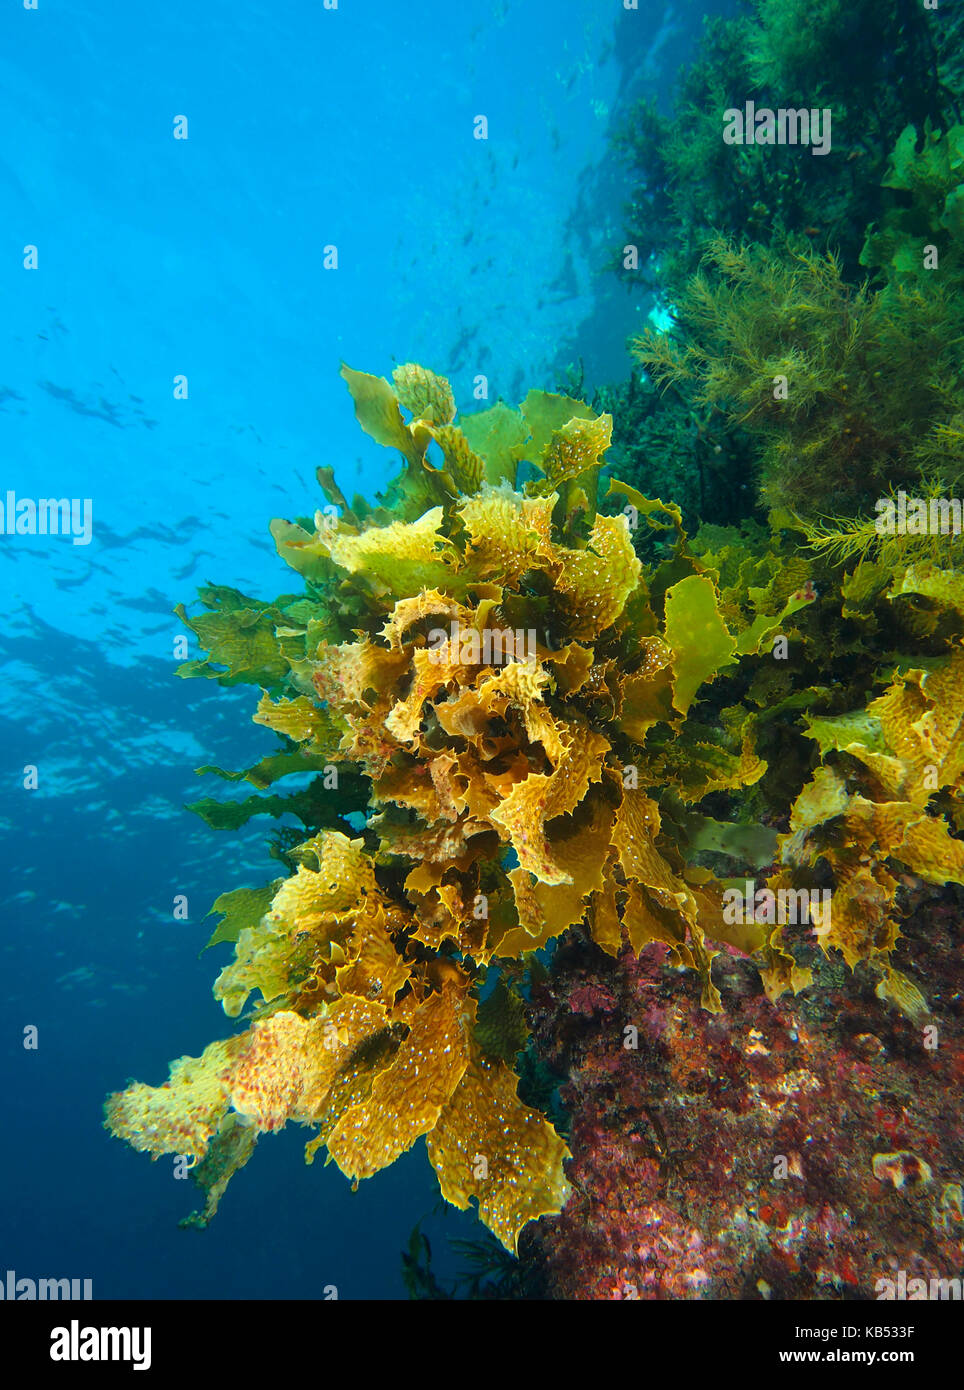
<point>678,1146</point>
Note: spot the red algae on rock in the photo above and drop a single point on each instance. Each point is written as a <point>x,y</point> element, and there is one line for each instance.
<point>741,1157</point>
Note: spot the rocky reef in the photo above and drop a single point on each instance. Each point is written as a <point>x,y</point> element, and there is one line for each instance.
<point>812,1151</point>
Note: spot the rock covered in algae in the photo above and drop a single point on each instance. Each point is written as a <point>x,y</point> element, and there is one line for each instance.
<point>808,1152</point>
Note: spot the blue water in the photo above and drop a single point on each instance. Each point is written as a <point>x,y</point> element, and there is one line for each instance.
<point>203,257</point>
